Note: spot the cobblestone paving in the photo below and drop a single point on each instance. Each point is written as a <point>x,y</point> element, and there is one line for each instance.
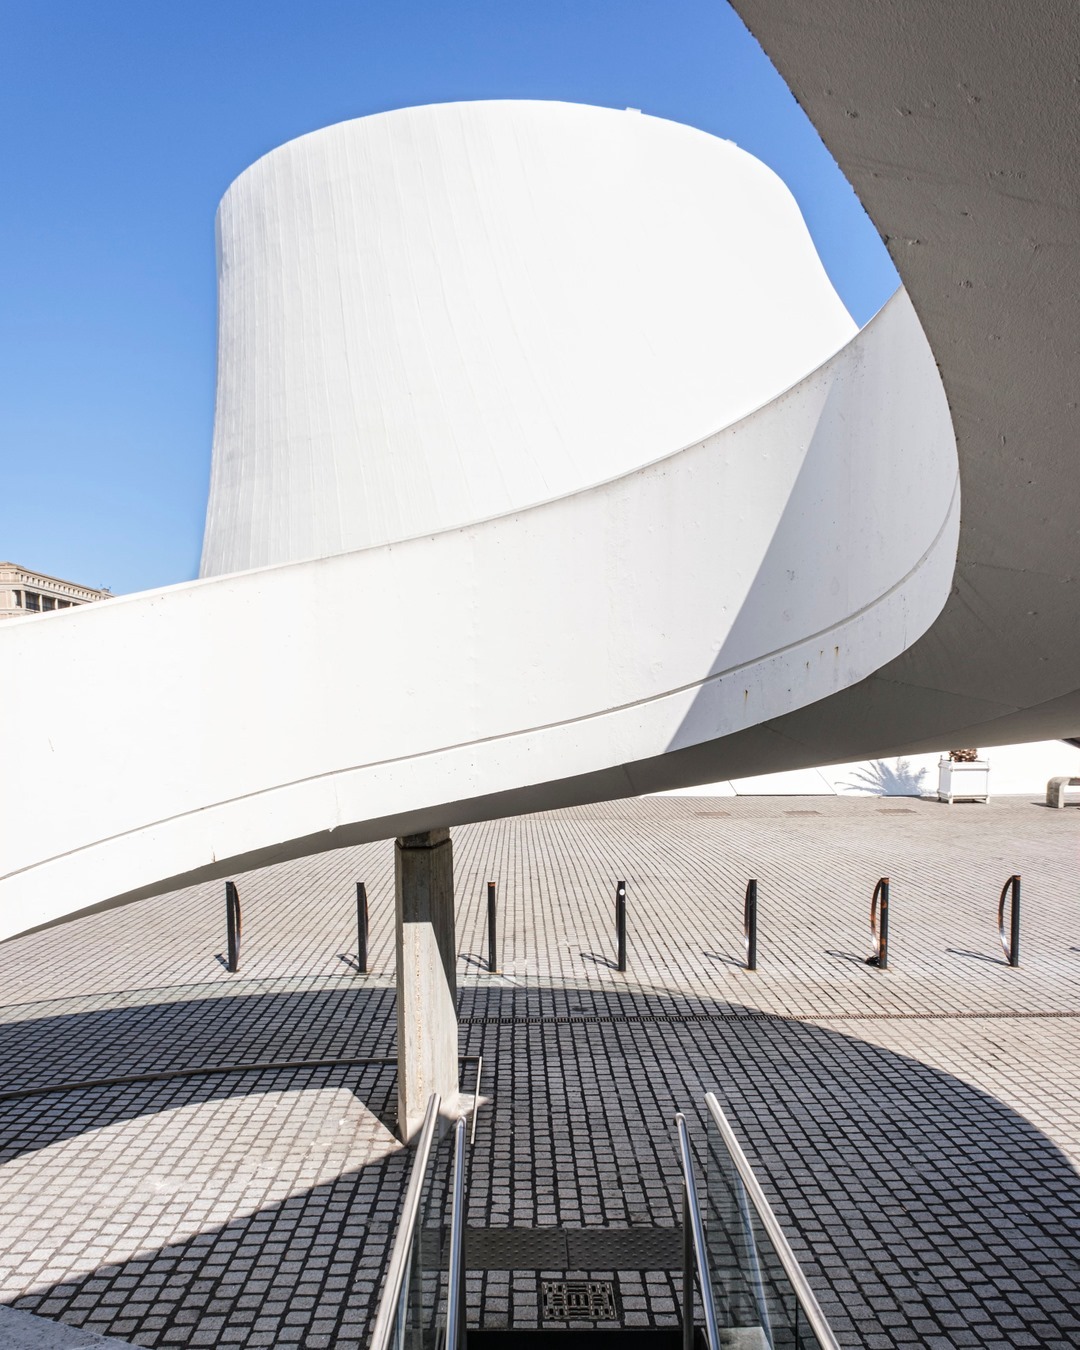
<point>918,1130</point>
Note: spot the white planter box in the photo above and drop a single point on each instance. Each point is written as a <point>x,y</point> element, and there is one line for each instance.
<point>963,782</point>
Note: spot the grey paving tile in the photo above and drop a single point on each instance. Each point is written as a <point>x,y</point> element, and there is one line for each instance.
<point>882,1109</point>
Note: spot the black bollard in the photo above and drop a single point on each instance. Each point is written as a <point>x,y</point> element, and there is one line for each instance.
<point>620,923</point>
<point>879,925</point>
<point>232,924</point>
<point>361,928</point>
<point>1012,946</point>
<point>491,962</point>
<point>750,925</point>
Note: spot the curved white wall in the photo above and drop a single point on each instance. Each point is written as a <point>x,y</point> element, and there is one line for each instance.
<point>276,712</point>
<point>431,316</point>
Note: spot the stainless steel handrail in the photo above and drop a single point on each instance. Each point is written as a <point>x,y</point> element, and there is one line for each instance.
<point>390,1303</point>
<point>803,1293</point>
<point>455,1303</point>
<point>692,1220</point>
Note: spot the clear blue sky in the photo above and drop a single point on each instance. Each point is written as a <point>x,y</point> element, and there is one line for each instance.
<point>125,121</point>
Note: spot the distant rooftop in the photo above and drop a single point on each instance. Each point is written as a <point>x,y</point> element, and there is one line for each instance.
<point>23,592</point>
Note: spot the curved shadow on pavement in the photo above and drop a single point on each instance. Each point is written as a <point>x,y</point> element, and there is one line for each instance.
<point>925,1210</point>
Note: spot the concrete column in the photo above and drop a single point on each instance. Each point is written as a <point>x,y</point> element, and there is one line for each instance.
<point>427,1027</point>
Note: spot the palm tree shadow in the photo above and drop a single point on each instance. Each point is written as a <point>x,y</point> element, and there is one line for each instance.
<point>877,779</point>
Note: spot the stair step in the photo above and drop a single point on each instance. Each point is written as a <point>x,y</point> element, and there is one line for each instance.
<point>577,1338</point>
<point>573,1248</point>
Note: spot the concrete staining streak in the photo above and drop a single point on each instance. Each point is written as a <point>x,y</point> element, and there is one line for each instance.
<point>531,658</point>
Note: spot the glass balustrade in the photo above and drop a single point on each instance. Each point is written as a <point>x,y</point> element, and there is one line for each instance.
<point>761,1297</point>
<point>752,1292</point>
<point>421,1306</point>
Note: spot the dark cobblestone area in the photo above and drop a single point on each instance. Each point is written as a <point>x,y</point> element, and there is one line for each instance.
<point>917,1130</point>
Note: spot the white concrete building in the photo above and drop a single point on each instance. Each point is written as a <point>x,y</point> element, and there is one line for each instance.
<point>434,316</point>
<point>548,468</point>
<point>558,462</point>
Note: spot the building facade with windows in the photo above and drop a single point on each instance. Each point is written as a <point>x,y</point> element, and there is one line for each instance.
<point>25,592</point>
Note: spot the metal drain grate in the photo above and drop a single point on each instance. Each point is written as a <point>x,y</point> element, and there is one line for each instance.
<point>684,1019</point>
<point>802,813</point>
<point>563,1019</point>
<point>577,1301</point>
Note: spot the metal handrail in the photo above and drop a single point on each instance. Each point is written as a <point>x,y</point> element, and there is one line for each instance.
<point>692,1222</point>
<point>455,1303</point>
<point>400,1256</point>
<point>799,1283</point>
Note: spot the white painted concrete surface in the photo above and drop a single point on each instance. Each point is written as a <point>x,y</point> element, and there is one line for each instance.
<point>248,718</point>
<point>441,314</point>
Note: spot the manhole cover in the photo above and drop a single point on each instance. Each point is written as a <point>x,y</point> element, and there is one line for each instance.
<point>578,1300</point>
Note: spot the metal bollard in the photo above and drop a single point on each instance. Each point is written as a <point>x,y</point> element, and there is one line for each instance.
<point>361,928</point>
<point>492,964</point>
<point>233,925</point>
<point>1012,947</point>
<point>620,924</point>
<point>879,925</point>
<point>749,926</point>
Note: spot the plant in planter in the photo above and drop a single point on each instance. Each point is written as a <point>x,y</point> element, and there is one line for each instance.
<point>963,776</point>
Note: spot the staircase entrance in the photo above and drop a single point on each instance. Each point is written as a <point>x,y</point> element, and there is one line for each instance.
<point>741,1286</point>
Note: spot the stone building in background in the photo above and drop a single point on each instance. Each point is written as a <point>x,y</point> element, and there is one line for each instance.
<point>25,592</point>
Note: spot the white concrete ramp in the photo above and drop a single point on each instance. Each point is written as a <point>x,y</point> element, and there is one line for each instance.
<point>537,629</point>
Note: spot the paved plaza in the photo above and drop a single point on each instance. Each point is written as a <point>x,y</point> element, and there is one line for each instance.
<point>917,1129</point>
